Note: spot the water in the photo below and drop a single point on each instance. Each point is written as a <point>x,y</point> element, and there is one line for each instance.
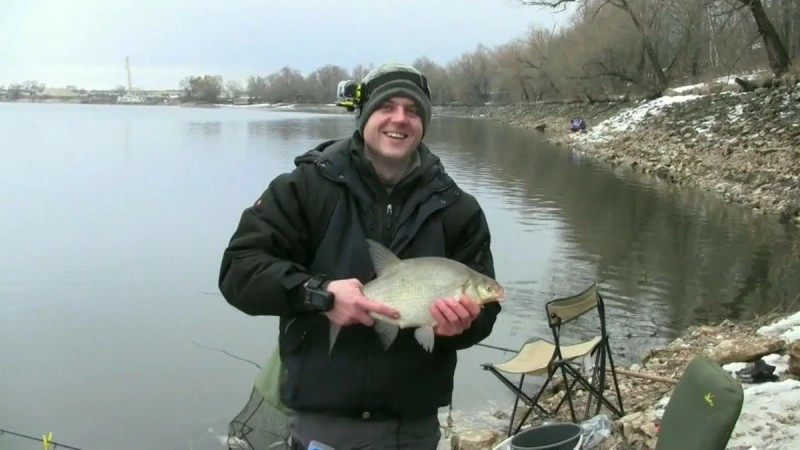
<point>114,218</point>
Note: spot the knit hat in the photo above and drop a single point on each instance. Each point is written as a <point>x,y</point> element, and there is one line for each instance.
<point>392,80</point>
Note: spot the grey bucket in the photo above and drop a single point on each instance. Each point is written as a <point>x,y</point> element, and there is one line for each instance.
<point>554,436</point>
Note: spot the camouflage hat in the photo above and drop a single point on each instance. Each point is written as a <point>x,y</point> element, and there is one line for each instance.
<point>393,80</point>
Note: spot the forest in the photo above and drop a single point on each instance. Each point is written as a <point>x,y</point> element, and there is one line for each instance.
<point>610,49</point>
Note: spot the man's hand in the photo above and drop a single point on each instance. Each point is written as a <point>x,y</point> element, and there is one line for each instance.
<point>453,316</point>
<point>351,307</point>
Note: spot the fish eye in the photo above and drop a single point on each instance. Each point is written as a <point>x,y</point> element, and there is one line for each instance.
<point>490,288</point>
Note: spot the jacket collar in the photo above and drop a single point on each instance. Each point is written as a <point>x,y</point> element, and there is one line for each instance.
<point>343,160</point>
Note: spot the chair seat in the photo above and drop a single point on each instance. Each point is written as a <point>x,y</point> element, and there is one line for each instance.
<point>535,356</point>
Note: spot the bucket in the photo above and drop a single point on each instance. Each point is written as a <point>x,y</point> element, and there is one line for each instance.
<point>554,436</point>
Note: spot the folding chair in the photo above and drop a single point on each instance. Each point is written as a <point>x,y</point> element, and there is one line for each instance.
<point>541,357</point>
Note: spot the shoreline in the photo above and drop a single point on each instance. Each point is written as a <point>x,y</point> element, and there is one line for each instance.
<point>743,147</point>
<point>646,386</point>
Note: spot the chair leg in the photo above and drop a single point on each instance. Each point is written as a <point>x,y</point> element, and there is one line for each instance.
<point>567,388</point>
<point>520,395</point>
<point>614,376</point>
<point>593,391</point>
<point>598,378</point>
<point>568,392</point>
<point>516,404</point>
<point>534,404</point>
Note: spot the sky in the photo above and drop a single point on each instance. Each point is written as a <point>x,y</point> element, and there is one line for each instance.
<point>84,42</point>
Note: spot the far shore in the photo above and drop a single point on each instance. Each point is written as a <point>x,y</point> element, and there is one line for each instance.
<point>751,158</point>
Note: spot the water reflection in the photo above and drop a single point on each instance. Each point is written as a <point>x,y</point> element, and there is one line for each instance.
<point>205,129</point>
<point>667,257</point>
<point>290,130</point>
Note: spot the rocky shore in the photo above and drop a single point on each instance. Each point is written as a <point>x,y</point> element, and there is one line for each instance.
<point>745,146</point>
<point>768,419</point>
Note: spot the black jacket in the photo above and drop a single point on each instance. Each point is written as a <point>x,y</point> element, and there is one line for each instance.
<point>315,220</point>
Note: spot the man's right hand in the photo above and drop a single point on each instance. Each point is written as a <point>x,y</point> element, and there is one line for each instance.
<point>351,307</point>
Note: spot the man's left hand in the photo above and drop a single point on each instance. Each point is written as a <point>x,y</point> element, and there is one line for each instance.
<point>454,315</point>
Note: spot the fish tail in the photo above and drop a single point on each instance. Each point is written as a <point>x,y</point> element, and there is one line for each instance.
<point>333,334</point>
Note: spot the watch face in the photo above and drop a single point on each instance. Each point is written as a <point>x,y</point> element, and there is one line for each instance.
<point>324,301</point>
<point>319,300</point>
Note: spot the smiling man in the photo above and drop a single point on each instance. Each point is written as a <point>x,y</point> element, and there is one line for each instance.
<point>300,253</point>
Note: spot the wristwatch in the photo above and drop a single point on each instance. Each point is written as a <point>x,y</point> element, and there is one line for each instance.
<point>315,297</point>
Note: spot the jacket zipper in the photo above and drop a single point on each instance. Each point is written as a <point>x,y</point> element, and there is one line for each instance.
<point>387,228</point>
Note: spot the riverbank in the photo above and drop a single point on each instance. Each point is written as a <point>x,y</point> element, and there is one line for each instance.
<point>767,419</point>
<point>744,146</point>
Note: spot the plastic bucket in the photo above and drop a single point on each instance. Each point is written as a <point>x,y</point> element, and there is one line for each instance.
<point>554,436</point>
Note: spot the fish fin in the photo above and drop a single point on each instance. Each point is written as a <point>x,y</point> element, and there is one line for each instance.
<point>387,332</point>
<point>333,334</point>
<point>425,337</point>
<point>382,257</point>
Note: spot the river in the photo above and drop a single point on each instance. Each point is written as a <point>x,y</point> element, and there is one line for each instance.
<point>114,218</point>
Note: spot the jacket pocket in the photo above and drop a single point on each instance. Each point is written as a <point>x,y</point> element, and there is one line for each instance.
<point>294,348</point>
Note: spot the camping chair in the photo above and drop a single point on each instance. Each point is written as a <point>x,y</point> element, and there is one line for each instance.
<point>702,410</point>
<point>540,357</point>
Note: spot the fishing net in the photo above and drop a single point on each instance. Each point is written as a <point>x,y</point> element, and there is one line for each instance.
<point>264,421</point>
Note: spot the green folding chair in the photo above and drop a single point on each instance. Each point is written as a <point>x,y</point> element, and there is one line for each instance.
<point>702,410</point>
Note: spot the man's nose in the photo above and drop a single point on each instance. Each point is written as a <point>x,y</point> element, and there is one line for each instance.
<point>399,115</point>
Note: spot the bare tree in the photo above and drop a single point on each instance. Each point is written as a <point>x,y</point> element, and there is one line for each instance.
<point>257,88</point>
<point>205,89</point>
<point>359,71</point>
<point>661,80</point>
<point>285,86</point>
<point>321,83</point>
<point>438,80</point>
<point>776,52</point>
<point>233,89</point>
<point>472,75</point>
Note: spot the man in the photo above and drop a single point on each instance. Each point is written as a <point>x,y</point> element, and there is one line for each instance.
<point>300,253</point>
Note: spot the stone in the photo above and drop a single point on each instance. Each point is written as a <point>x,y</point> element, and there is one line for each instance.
<point>732,350</point>
<point>794,358</point>
<point>475,440</point>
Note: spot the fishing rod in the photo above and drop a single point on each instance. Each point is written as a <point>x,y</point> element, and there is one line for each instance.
<point>43,439</point>
<point>496,348</point>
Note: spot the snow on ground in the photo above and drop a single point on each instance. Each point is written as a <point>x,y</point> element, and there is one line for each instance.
<point>727,79</point>
<point>628,119</point>
<point>769,417</point>
<point>787,328</point>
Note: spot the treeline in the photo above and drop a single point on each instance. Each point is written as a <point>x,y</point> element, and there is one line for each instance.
<point>610,48</point>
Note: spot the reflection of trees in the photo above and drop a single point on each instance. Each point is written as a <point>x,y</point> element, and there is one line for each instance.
<point>650,242</point>
<point>206,129</point>
<point>291,129</point>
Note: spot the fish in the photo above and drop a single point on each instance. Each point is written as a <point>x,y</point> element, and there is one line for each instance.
<point>412,285</point>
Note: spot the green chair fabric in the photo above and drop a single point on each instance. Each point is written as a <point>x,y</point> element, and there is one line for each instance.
<point>703,409</point>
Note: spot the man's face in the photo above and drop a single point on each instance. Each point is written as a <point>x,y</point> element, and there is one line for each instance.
<point>394,130</point>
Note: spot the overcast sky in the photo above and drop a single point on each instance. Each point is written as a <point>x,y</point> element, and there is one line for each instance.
<point>85,42</point>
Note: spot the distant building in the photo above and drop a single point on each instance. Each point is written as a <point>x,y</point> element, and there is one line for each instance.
<point>131,98</point>
<point>59,93</point>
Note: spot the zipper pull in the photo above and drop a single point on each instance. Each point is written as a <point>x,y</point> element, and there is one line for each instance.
<point>389,216</point>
